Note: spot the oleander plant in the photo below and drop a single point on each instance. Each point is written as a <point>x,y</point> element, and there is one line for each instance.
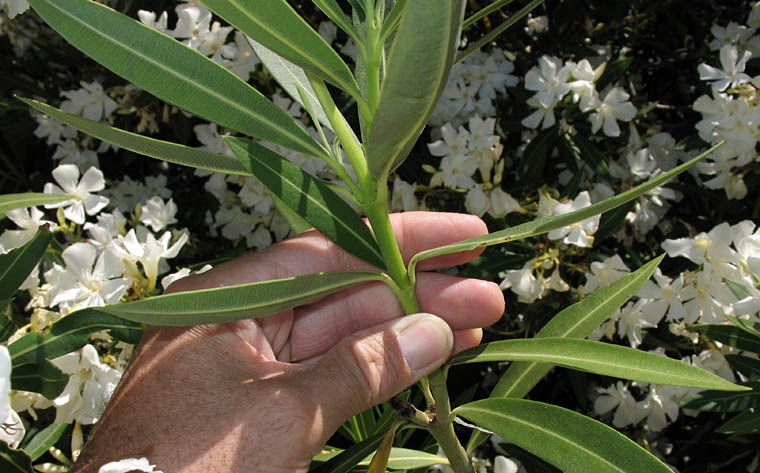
<point>611,148</point>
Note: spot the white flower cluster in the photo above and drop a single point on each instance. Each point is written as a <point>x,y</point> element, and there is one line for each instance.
<point>195,28</point>
<point>553,81</point>
<point>473,86</point>
<point>13,7</point>
<point>732,110</point>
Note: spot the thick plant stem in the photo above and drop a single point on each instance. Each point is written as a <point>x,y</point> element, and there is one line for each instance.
<point>442,426</point>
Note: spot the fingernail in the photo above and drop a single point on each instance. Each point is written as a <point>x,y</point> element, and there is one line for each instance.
<point>425,341</point>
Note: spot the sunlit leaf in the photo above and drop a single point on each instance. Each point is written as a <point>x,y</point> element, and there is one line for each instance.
<point>172,71</point>
<point>151,147</point>
<point>245,301</point>
<point>349,458</point>
<point>538,227</point>
<point>28,199</point>
<point>309,198</point>
<point>379,461</point>
<point>278,27</point>
<point>68,334</point>
<point>570,441</point>
<point>44,439</point>
<point>417,71</point>
<point>599,358</point>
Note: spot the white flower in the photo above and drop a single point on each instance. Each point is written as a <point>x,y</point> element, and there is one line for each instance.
<point>631,320</point>
<point>30,220</point>
<point>533,26</point>
<point>662,405</point>
<point>141,246</point>
<point>166,281</point>
<point>212,42</point>
<point>243,59</point>
<point>14,7</point>
<point>604,272</point>
<point>548,80</point>
<point>523,283</point>
<point>52,129</point>
<point>69,152</point>
<point>148,18</point>
<point>90,279</point>
<point>614,107</point>
<point>67,176</point>
<point>5,382</point>
<point>543,115</point>
<point>193,23</point>
<point>12,430</point>
<point>90,102</point>
<point>127,465</point>
<point>328,31</point>
<point>158,214</point>
<point>502,203</point>
<point>211,139</point>
<point>90,385</point>
<point>665,297</point>
<point>579,233</point>
<point>618,397</point>
<point>476,201</point>
<point>502,464</point>
<point>733,69</point>
<point>403,198</point>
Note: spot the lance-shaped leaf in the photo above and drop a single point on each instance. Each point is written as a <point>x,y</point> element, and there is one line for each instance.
<point>720,401</point>
<point>172,71</point>
<point>151,147</point>
<point>600,358</point>
<point>416,73</point>
<point>277,26</point>
<point>291,78</point>
<point>752,328</point>
<point>747,366</point>
<point>28,199</point>
<point>14,461</point>
<point>42,377</point>
<point>730,335</point>
<point>747,422</point>
<point>570,441</point>
<point>544,225</point>
<point>68,334</point>
<point>379,461</point>
<point>488,37</point>
<point>309,198</point>
<point>16,265</point>
<point>44,439</point>
<point>245,301</point>
<point>349,458</point>
<point>399,459</point>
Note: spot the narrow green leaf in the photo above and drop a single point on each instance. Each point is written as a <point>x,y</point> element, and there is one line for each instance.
<point>153,148</point>
<point>392,19</point>
<point>44,439</point>
<point>721,401</point>
<point>749,367</point>
<point>338,16</point>
<point>291,78</point>
<point>172,71</point>
<point>245,301</point>
<point>358,9</point>
<point>570,441</point>
<point>745,423</point>
<point>14,461</point>
<point>730,335</point>
<point>296,223</point>
<point>407,459</point>
<point>7,326</point>
<point>68,334</point>
<point>537,227</point>
<point>576,321</point>
<point>28,199</point>
<point>349,458</point>
<point>597,357</point>
<point>485,12</point>
<point>17,264</point>
<point>379,460</point>
<point>738,289</point>
<point>498,30</point>
<point>309,198</point>
<point>752,328</point>
<point>590,154</point>
<point>42,377</point>
<point>416,73</point>
<point>277,26</point>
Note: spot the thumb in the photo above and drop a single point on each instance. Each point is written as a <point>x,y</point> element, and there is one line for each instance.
<point>375,364</point>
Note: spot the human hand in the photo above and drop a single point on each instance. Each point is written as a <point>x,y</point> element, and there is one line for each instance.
<point>266,394</point>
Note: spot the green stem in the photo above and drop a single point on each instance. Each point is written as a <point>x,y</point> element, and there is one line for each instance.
<point>442,427</point>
